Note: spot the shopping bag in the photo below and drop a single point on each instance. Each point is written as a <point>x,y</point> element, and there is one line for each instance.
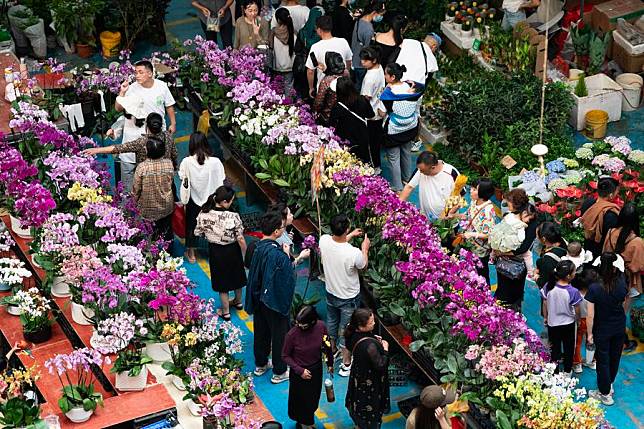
<point>179,220</point>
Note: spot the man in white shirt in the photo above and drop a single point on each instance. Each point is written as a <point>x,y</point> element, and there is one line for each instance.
<point>156,98</point>
<point>299,14</point>
<point>435,179</point>
<point>341,262</point>
<point>323,27</point>
<point>418,58</point>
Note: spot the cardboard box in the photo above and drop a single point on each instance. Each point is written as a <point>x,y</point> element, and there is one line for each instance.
<point>628,61</point>
<point>605,15</point>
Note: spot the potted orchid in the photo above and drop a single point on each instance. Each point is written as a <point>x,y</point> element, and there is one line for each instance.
<point>34,315</point>
<point>78,260</point>
<point>18,403</point>
<point>79,397</point>
<point>6,241</point>
<point>12,272</point>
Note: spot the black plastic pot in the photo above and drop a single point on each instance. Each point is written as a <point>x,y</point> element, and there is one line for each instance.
<point>40,336</point>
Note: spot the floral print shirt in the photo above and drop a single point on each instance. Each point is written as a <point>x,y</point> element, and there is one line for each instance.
<point>481,224</point>
<point>219,226</point>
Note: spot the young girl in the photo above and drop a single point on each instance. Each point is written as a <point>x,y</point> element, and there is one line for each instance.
<point>561,310</point>
<point>372,86</point>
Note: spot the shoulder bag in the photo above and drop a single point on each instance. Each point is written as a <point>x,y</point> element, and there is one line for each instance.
<point>184,190</point>
<point>511,268</point>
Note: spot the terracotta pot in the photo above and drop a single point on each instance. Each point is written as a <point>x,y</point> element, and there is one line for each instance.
<point>83,51</point>
<point>40,336</point>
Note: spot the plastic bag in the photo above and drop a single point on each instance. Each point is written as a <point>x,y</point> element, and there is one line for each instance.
<point>17,23</point>
<point>212,23</point>
<point>37,38</point>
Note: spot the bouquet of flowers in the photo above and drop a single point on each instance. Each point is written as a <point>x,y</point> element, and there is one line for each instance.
<point>17,407</point>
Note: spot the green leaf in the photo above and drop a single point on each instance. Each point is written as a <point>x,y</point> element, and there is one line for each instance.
<point>452,365</point>
<point>282,183</point>
<point>88,404</point>
<point>262,176</point>
<point>397,309</point>
<point>263,164</point>
<point>416,345</point>
<point>64,404</point>
<point>502,420</point>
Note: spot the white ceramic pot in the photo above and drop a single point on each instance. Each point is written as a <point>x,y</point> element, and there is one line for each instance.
<point>125,383</point>
<point>22,232</point>
<point>195,409</point>
<point>178,383</point>
<point>159,352</point>
<point>466,33</point>
<point>80,314</point>
<point>13,310</point>
<point>59,287</point>
<point>79,415</point>
<point>95,342</point>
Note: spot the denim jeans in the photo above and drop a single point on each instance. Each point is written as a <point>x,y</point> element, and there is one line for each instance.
<point>127,175</point>
<point>399,160</point>
<point>510,19</point>
<point>339,313</point>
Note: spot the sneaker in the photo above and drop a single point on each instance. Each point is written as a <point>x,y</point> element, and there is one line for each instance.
<point>591,365</point>
<point>604,399</point>
<point>280,378</point>
<point>629,346</point>
<point>577,369</point>
<point>417,146</point>
<point>261,370</point>
<point>344,370</point>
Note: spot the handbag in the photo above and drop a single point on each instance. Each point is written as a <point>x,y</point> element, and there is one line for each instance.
<point>510,267</point>
<point>184,190</point>
<point>458,240</point>
<point>179,220</point>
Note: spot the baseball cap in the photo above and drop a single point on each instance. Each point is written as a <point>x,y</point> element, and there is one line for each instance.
<point>435,397</point>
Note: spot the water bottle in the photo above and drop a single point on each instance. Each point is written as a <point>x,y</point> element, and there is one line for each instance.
<point>590,352</point>
<point>328,386</point>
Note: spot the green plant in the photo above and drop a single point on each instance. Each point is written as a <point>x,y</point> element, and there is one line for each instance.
<point>18,412</point>
<point>74,19</point>
<point>580,88</point>
<point>300,301</point>
<point>80,396</point>
<point>130,360</point>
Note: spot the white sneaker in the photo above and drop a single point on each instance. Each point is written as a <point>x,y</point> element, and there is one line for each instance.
<point>591,365</point>
<point>577,369</point>
<point>604,399</point>
<point>344,370</point>
<point>261,370</point>
<point>417,146</point>
<point>280,378</point>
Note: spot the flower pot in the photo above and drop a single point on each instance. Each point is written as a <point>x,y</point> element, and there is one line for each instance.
<point>59,287</point>
<point>178,382</point>
<point>40,336</point>
<point>83,51</point>
<point>14,310</point>
<point>96,343</point>
<point>466,33</point>
<point>81,314</point>
<point>79,415</point>
<point>4,287</point>
<point>22,232</point>
<point>194,408</point>
<point>159,352</point>
<point>125,383</point>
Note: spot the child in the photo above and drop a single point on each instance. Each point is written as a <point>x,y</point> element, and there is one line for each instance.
<point>561,309</point>
<point>577,255</point>
<point>373,84</point>
<point>581,282</point>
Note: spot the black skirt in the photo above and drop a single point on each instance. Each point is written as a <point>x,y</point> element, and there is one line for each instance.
<point>304,395</point>
<point>226,267</point>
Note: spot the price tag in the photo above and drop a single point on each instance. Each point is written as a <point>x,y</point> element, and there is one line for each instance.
<point>508,162</point>
<point>476,45</point>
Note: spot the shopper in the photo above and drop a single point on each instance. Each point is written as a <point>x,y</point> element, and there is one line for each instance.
<point>327,43</point>
<point>271,285</point>
<point>152,188</point>
<point>203,173</point>
<point>138,147</point>
<point>343,21</point>
<point>372,86</point>
<point>600,215</point>
<point>341,262</point>
<point>362,35</point>
<point>221,10</point>
<point>349,118</point>
<point>606,322</point>
<point>549,234</point>
<point>299,14</point>
<point>306,38</point>
<point>581,282</point>
<point>305,346</point>
<point>431,412</point>
<point>389,42</point>
<point>479,219</point>
<point>561,311</point>
<point>368,389</point>
<point>401,100</point>
<point>226,247</point>
<point>155,97</point>
<point>625,240</point>
<point>435,180</point>
<point>514,12</point>
<point>250,29</point>
<point>283,42</point>
<point>326,96</point>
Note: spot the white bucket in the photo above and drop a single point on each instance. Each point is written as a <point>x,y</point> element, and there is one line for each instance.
<point>631,95</point>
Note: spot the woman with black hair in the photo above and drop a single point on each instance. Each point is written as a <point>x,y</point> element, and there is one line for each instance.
<point>625,240</point>
<point>326,96</point>
<point>349,118</point>
<point>202,173</point>
<point>362,35</point>
<point>283,42</point>
<point>561,309</point>
<point>479,219</point>
<point>600,215</point>
<point>368,389</point>
<point>305,346</point>
<point>549,234</point>
<point>401,101</point>
<point>606,322</point>
<point>389,42</point>
<point>250,28</point>
<point>225,233</point>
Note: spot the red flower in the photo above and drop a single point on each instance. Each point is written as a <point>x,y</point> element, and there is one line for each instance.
<point>592,185</point>
<point>546,208</point>
<point>569,192</point>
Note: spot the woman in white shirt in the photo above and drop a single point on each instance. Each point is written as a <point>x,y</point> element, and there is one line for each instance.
<point>283,42</point>
<point>205,173</point>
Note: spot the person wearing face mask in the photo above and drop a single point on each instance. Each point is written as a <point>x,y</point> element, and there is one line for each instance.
<point>363,32</point>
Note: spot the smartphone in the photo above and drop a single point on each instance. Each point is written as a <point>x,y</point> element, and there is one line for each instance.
<point>313,60</point>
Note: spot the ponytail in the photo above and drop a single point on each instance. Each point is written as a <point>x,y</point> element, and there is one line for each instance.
<point>563,270</point>
<point>359,318</point>
<point>283,16</point>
